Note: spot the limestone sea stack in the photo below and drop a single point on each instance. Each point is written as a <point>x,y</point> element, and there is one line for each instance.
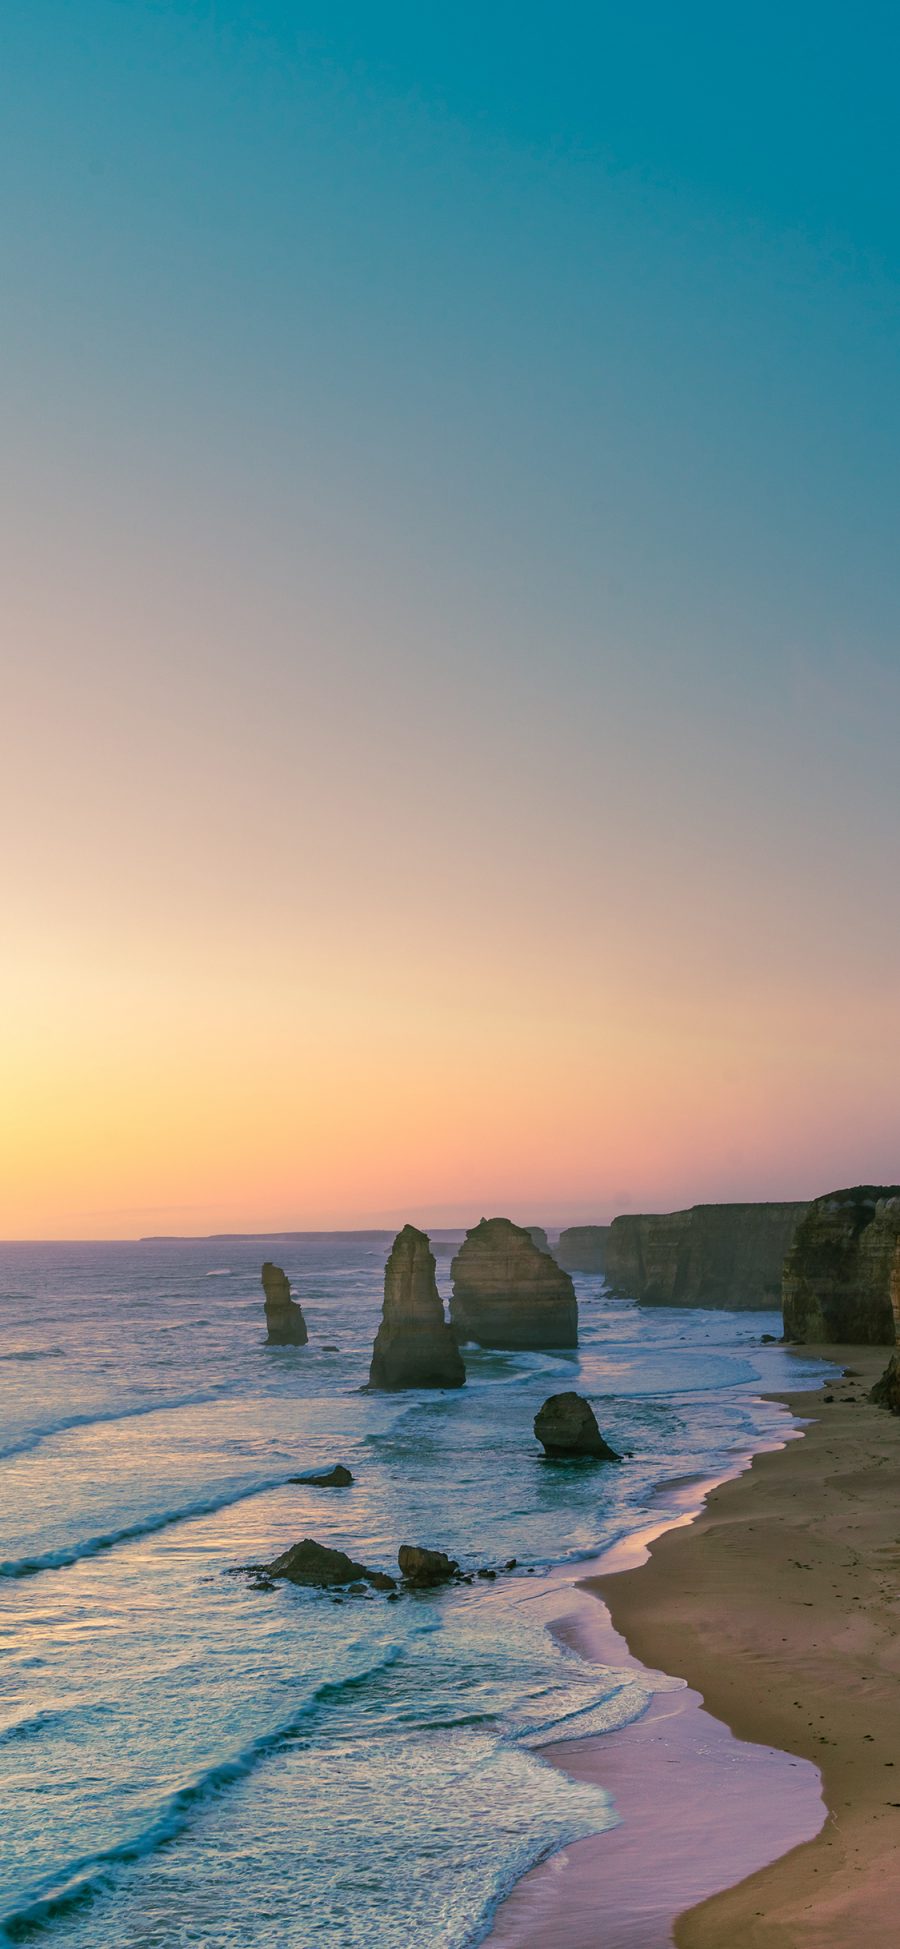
<point>414,1346</point>
<point>508,1293</point>
<point>582,1248</point>
<point>284,1318</point>
<point>842,1274</point>
<point>709,1255</point>
<point>567,1425</point>
<point>538,1234</point>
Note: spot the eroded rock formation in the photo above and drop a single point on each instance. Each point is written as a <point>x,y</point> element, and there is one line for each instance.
<point>315,1564</point>
<point>414,1346</point>
<point>508,1293</point>
<point>538,1234</point>
<point>426,1567</point>
<point>886,1392</point>
<point>842,1274</point>
<point>582,1248</point>
<point>709,1255</point>
<point>284,1318</point>
<point>567,1425</point>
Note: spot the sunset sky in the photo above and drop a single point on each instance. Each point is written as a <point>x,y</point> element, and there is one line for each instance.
<point>451,687</point>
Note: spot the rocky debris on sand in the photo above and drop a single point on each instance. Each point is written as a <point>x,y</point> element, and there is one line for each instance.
<point>567,1425</point>
<point>886,1392</point>
<point>426,1567</point>
<point>284,1318</point>
<point>709,1255</point>
<point>842,1274</point>
<point>414,1346</point>
<point>314,1564</point>
<point>509,1293</point>
<point>336,1478</point>
<point>582,1248</point>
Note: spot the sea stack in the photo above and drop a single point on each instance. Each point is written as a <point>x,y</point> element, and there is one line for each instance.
<point>284,1318</point>
<point>582,1248</point>
<point>414,1346</point>
<point>842,1274</point>
<point>508,1293</point>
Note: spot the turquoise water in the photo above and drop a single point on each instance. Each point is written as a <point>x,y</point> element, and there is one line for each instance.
<point>184,1759</point>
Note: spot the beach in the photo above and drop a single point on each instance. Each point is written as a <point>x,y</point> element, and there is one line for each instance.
<point>779,1605</point>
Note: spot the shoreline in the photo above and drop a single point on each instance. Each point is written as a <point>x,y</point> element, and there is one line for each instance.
<point>721,1598</point>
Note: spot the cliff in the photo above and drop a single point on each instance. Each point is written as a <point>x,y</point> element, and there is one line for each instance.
<point>414,1346</point>
<point>582,1248</point>
<point>284,1318</point>
<point>508,1293</point>
<point>842,1274</point>
<point>709,1255</point>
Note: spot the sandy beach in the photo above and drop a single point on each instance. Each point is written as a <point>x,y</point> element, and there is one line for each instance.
<point>780,1607</point>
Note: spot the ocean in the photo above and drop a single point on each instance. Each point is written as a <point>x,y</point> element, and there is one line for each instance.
<point>185,1759</point>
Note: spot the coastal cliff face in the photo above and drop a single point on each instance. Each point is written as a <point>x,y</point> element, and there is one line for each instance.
<point>284,1318</point>
<point>582,1248</point>
<point>414,1346</point>
<point>842,1274</point>
<point>709,1255</point>
<point>508,1293</point>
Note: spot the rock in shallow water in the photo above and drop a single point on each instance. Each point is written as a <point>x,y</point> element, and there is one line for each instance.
<point>336,1478</point>
<point>426,1567</point>
<point>284,1318</point>
<point>567,1425</point>
<point>314,1564</point>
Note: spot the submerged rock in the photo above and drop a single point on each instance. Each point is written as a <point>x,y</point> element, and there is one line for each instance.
<point>582,1248</point>
<point>426,1567</point>
<point>508,1293</point>
<point>709,1255</point>
<point>414,1346</point>
<point>336,1478</point>
<point>314,1564</point>
<point>842,1274</point>
<point>284,1318</point>
<point>886,1392</point>
<point>567,1425</point>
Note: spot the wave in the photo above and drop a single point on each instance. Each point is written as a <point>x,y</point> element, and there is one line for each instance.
<point>35,1353</point>
<point>37,1435</point>
<point>29,1728</point>
<point>63,1558</point>
<point>80,1881</point>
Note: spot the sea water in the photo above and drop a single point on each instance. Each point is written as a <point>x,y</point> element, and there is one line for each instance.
<point>187,1759</point>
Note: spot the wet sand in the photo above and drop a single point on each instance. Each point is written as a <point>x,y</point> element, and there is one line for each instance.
<point>780,1605</point>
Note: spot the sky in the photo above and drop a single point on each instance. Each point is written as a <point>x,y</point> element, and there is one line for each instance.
<point>450,687</point>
